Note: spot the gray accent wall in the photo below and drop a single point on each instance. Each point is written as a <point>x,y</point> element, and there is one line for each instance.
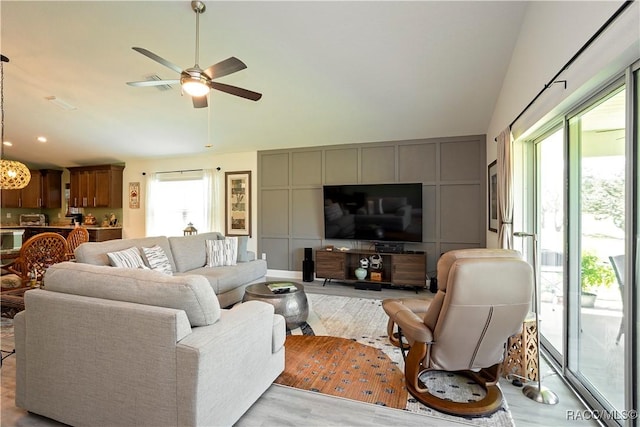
<point>452,171</point>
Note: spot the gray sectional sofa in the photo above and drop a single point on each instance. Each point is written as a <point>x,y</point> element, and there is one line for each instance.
<point>187,255</point>
<point>105,346</point>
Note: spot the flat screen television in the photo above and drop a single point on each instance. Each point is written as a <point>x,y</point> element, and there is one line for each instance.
<point>375,212</point>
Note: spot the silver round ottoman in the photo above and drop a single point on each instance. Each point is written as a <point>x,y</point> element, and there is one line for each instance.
<point>292,305</point>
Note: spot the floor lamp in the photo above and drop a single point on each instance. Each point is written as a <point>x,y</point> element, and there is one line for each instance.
<point>538,393</point>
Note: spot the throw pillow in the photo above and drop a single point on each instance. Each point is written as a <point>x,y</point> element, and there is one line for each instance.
<point>128,258</point>
<point>157,259</point>
<point>222,252</point>
<point>214,253</point>
<point>243,256</point>
<point>230,250</point>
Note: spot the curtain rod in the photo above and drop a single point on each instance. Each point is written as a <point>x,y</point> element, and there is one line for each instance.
<point>188,170</point>
<point>584,47</point>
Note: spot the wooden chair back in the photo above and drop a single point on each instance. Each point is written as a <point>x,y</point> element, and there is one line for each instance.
<point>75,238</point>
<point>38,253</point>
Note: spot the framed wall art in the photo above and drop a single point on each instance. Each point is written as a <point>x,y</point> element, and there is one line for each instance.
<point>238,203</point>
<point>492,191</point>
<point>134,195</point>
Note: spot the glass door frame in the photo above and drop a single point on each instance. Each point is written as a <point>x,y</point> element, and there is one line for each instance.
<point>570,361</point>
<point>530,205</point>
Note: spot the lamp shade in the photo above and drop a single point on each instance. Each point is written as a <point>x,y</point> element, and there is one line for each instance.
<point>13,175</point>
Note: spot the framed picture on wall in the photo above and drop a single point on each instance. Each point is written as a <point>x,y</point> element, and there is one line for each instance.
<point>134,195</point>
<point>238,203</point>
<point>492,187</point>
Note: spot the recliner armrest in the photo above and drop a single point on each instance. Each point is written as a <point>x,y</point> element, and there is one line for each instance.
<point>412,325</point>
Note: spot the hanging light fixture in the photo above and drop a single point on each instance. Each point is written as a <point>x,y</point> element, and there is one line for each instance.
<point>13,175</point>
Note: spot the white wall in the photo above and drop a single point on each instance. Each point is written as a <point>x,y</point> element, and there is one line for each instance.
<point>552,32</point>
<point>133,220</point>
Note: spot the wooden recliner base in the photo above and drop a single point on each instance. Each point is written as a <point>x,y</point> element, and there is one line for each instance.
<point>485,378</point>
<point>485,406</point>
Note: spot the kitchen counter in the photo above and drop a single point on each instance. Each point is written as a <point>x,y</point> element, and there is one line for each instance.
<point>60,226</point>
<point>96,232</point>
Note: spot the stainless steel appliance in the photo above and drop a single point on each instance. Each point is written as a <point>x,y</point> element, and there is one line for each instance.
<point>33,220</point>
<point>11,240</point>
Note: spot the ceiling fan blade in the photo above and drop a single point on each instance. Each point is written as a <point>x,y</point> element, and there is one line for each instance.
<point>223,68</point>
<point>154,82</point>
<point>237,91</point>
<point>156,58</point>
<point>199,101</point>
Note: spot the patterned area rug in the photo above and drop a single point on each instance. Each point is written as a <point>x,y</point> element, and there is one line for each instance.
<point>363,321</point>
<point>344,368</point>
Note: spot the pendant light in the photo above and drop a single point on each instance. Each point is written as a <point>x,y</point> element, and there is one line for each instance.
<point>13,175</point>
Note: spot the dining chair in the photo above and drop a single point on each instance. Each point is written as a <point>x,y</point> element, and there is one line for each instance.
<point>37,254</point>
<point>75,238</point>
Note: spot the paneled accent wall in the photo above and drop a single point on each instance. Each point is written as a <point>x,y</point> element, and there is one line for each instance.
<point>452,172</point>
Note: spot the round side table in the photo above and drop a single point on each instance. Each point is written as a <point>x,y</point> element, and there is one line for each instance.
<point>292,305</point>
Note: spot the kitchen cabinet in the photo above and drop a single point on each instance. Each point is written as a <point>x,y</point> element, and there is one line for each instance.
<point>96,186</point>
<point>43,191</point>
<point>31,195</point>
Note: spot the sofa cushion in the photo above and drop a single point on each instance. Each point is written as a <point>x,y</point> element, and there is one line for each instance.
<point>157,259</point>
<point>226,278</point>
<point>127,258</point>
<point>96,252</point>
<point>190,293</point>
<point>189,252</point>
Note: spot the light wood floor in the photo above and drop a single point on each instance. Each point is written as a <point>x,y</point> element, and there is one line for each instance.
<point>281,406</point>
<point>525,411</point>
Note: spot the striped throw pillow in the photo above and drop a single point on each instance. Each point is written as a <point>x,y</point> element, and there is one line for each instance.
<point>128,258</point>
<point>157,259</point>
<point>222,252</point>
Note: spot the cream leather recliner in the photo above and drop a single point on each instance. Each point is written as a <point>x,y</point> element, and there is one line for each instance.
<point>483,297</point>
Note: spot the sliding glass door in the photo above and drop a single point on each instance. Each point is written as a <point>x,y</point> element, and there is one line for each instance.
<point>550,150</point>
<point>597,164</point>
<point>584,219</point>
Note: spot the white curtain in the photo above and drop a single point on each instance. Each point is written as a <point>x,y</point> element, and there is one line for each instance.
<point>212,193</point>
<point>505,190</point>
<point>150,205</point>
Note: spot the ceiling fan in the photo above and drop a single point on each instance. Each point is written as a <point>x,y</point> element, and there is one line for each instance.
<point>195,81</point>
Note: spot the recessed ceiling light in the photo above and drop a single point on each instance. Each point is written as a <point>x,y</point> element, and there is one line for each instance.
<point>42,139</point>
<point>8,143</point>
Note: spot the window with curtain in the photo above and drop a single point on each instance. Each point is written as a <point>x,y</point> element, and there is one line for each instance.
<point>175,199</point>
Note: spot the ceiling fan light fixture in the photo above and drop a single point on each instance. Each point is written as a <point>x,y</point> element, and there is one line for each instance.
<point>194,82</point>
<point>194,87</point>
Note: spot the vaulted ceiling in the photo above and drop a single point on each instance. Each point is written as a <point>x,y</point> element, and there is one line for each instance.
<point>330,73</point>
